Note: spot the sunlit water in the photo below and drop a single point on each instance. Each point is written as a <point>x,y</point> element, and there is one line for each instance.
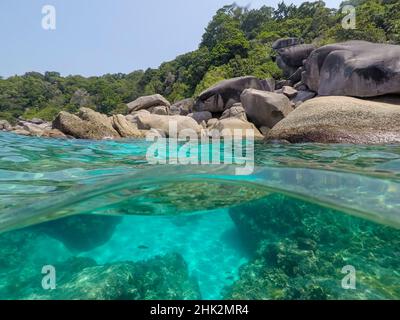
<point>116,227</point>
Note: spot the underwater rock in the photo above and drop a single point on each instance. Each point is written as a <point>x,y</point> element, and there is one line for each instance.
<point>82,232</point>
<point>21,261</point>
<point>341,120</point>
<point>160,278</point>
<point>299,249</point>
<point>354,68</point>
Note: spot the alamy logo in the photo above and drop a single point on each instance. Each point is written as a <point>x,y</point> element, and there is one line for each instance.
<point>49,280</point>
<point>349,281</point>
<point>349,20</point>
<point>49,17</point>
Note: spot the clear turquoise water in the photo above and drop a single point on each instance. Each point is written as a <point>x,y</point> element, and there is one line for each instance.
<point>110,223</point>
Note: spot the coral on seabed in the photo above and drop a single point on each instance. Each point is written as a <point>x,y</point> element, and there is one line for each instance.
<point>299,250</point>
<point>163,277</point>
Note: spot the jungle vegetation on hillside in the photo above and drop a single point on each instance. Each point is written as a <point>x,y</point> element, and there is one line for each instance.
<point>236,42</point>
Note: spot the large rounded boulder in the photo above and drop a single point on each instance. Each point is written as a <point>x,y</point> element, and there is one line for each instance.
<point>265,109</point>
<point>354,68</point>
<point>88,124</point>
<point>341,120</point>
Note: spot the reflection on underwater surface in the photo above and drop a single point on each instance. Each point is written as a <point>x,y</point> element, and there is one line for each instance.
<point>117,228</point>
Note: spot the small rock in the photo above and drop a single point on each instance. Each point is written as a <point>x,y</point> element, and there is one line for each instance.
<point>5,125</point>
<point>125,128</point>
<point>22,132</point>
<point>265,130</point>
<point>300,86</point>
<point>37,121</point>
<point>211,122</point>
<point>183,107</point>
<point>279,84</point>
<point>289,92</point>
<point>161,110</point>
<point>303,96</point>
<point>236,111</point>
<point>53,133</point>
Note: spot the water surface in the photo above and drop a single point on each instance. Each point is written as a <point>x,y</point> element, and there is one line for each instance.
<point>105,218</point>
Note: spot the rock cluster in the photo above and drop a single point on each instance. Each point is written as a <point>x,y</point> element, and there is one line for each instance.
<point>34,127</point>
<point>275,110</point>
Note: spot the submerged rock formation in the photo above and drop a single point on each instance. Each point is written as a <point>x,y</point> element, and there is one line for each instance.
<point>299,248</point>
<point>83,232</point>
<point>21,260</point>
<point>161,278</point>
<point>341,120</point>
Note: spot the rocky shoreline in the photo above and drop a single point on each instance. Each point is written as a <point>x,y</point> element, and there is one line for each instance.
<point>323,99</point>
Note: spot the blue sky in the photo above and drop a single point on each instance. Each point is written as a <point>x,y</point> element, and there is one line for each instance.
<point>95,37</point>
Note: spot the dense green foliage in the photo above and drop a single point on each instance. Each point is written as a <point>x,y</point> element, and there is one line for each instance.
<point>236,42</point>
